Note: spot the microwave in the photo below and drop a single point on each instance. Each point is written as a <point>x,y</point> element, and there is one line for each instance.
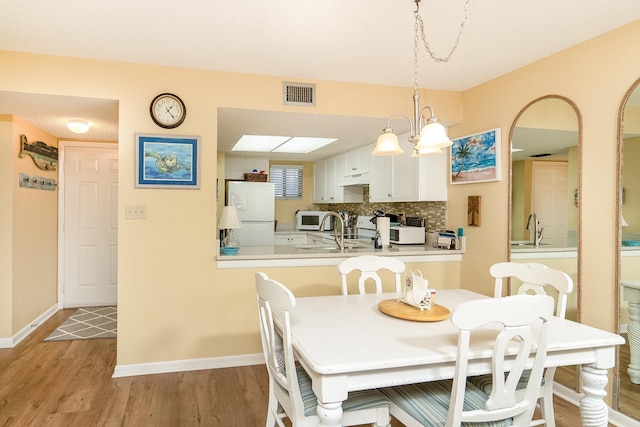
<point>310,220</point>
<point>407,235</point>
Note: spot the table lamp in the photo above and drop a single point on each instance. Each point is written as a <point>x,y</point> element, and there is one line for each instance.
<point>228,221</point>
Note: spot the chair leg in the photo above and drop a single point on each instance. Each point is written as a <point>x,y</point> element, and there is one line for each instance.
<point>271,411</point>
<point>384,418</point>
<point>546,403</point>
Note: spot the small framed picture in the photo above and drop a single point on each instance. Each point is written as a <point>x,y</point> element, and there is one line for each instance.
<point>474,213</point>
<point>167,161</point>
<point>476,158</point>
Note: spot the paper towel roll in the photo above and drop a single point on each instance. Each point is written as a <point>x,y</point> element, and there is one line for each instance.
<point>383,224</point>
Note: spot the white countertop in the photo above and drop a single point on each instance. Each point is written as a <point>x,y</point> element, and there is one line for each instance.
<point>296,255</point>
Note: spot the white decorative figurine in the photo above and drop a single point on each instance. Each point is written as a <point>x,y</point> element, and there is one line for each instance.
<point>416,291</point>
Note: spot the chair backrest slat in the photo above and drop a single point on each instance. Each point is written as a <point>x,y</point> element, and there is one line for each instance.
<point>274,302</point>
<point>369,265</point>
<point>535,278</point>
<point>519,324</point>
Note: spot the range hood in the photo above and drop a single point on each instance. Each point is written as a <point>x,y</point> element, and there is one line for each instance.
<point>357,180</point>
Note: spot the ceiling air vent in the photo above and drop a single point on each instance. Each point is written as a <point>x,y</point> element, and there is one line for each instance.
<point>299,94</point>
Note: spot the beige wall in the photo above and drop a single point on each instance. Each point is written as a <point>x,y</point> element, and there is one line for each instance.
<point>173,302</point>
<point>30,244</point>
<point>580,74</point>
<point>35,234</point>
<point>6,224</point>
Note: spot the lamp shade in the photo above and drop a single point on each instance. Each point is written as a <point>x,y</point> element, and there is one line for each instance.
<point>387,144</point>
<point>433,135</point>
<point>229,218</point>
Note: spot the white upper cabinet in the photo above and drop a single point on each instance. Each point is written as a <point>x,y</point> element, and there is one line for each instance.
<point>403,178</point>
<point>319,178</point>
<point>330,179</point>
<point>358,161</point>
<point>328,175</point>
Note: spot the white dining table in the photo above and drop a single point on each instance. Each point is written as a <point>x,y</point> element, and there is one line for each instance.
<point>346,344</point>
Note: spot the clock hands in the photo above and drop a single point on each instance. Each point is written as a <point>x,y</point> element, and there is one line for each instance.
<point>167,110</point>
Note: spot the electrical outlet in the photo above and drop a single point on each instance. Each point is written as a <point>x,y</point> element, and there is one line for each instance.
<point>135,211</point>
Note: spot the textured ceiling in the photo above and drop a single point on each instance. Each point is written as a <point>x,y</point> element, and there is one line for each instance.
<point>352,41</point>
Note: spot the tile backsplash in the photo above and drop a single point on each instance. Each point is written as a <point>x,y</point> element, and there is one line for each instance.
<point>434,213</point>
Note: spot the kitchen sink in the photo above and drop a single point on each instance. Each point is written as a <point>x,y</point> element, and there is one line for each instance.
<point>525,243</point>
<point>329,246</point>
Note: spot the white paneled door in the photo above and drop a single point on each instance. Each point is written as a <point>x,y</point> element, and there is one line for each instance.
<point>90,225</point>
<point>550,199</point>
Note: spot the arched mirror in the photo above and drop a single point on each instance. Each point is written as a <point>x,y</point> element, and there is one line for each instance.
<point>545,163</point>
<point>627,376</point>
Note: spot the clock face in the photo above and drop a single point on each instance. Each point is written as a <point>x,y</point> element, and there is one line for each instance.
<point>167,110</point>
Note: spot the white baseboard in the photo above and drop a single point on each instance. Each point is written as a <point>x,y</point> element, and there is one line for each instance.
<point>188,365</point>
<point>24,332</point>
<point>616,418</point>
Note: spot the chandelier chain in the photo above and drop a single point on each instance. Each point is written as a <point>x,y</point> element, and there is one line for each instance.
<point>420,25</point>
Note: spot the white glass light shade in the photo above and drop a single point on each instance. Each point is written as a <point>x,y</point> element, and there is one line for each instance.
<point>229,218</point>
<point>387,144</point>
<point>433,135</point>
<point>78,126</point>
<point>624,223</point>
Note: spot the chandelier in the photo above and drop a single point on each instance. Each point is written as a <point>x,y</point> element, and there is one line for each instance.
<point>428,136</point>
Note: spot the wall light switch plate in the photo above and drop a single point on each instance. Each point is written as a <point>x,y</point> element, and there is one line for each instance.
<point>135,211</point>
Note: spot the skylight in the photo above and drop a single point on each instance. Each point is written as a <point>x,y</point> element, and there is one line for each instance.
<point>280,144</point>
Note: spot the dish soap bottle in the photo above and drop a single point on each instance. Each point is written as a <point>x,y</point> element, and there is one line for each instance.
<point>377,241</point>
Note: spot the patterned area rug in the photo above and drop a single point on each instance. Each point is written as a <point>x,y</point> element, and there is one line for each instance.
<point>87,323</point>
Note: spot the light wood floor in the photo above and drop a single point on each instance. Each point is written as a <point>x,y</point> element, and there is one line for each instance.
<point>68,383</point>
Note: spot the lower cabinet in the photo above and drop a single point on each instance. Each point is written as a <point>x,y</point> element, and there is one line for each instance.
<point>290,238</point>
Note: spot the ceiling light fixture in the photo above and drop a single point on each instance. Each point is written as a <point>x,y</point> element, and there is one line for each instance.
<point>78,126</point>
<point>431,138</point>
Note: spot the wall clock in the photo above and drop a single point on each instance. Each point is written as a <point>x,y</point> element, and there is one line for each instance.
<point>167,110</point>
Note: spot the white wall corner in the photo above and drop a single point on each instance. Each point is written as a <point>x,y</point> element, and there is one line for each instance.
<point>24,332</point>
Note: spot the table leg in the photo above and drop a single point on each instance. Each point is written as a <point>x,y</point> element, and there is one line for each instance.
<point>593,411</point>
<point>330,414</point>
<point>633,332</point>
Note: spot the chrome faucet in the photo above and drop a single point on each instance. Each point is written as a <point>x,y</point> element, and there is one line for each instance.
<point>533,223</point>
<point>338,234</point>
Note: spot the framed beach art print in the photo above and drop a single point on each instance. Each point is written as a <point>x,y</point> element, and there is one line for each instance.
<point>476,158</point>
<point>167,161</point>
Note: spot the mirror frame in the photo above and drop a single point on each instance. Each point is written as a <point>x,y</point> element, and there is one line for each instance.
<point>579,215</point>
<point>574,106</point>
<point>618,229</point>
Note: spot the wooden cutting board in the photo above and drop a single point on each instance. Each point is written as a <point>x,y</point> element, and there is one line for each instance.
<point>395,308</point>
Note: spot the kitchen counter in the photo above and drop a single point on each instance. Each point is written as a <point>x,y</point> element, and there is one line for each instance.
<point>562,249</point>
<point>328,254</point>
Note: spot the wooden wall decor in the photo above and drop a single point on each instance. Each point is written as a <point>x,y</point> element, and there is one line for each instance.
<point>37,182</point>
<point>44,156</point>
<point>474,216</point>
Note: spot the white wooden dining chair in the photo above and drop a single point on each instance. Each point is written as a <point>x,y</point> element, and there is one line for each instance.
<point>369,265</point>
<point>536,279</point>
<point>290,393</point>
<point>520,338</point>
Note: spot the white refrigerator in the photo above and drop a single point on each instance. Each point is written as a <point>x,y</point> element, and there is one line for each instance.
<point>255,202</point>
